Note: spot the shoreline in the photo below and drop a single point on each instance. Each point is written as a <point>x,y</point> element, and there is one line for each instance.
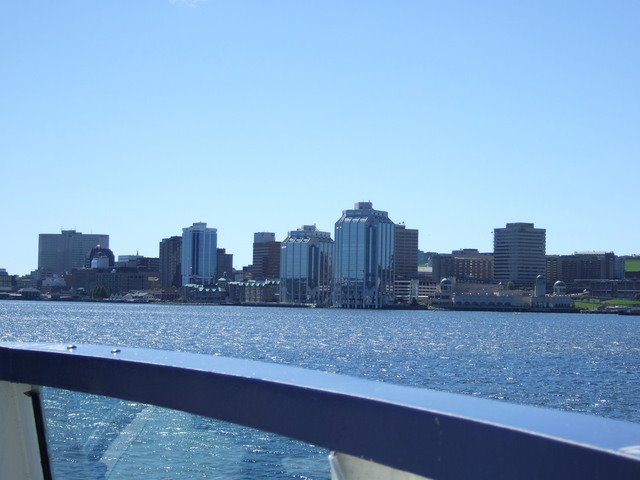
<point>625,311</point>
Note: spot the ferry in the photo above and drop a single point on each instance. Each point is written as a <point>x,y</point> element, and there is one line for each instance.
<point>374,430</point>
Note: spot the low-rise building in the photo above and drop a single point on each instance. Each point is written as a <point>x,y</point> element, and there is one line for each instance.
<point>502,297</point>
<point>253,291</point>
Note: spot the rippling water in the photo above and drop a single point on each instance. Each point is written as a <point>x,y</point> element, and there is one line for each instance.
<point>584,363</point>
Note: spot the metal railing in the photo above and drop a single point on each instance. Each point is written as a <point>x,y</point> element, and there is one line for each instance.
<point>429,433</point>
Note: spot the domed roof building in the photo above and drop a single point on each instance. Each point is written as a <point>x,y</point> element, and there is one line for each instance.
<point>559,288</point>
<point>101,258</point>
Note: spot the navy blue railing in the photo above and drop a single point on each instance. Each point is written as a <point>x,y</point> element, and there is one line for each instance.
<point>434,434</point>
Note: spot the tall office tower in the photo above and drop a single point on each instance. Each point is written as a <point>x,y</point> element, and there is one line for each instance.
<point>199,254</point>
<point>62,252</point>
<point>225,264</point>
<point>266,256</point>
<point>519,254</point>
<point>305,266</point>
<point>170,258</point>
<point>363,258</point>
<point>406,253</point>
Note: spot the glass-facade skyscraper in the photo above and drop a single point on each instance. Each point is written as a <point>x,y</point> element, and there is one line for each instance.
<point>199,254</point>
<point>305,266</point>
<point>363,258</point>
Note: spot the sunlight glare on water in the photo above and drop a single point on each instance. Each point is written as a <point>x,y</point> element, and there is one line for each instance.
<point>583,363</point>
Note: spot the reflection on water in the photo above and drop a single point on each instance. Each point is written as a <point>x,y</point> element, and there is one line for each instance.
<point>93,437</point>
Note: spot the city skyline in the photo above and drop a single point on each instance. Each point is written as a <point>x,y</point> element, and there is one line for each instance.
<point>135,120</point>
<point>237,266</point>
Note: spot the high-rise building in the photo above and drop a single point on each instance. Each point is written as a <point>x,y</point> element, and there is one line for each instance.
<point>519,254</point>
<point>305,266</point>
<point>364,258</point>
<point>406,253</point>
<point>225,264</point>
<point>170,258</point>
<point>266,256</point>
<point>199,254</point>
<point>405,284</point>
<point>62,252</point>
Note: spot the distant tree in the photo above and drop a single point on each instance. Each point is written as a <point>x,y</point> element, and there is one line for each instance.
<point>100,292</point>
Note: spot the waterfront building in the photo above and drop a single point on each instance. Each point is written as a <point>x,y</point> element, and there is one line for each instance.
<point>253,291</point>
<point>467,265</point>
<point>114,282</point>
<point>501,297</point>
<point>519,254</point>
<point>170,262</point>
<point>305,266</point>
<point>266,256</point>
<point>364,258</point>
<point>497,300</point>
<point>406,252</point>
<point>124,281</point>
<point>427,288</point>
<point>405,283</point>
<point>60,253</point>
<point>558,300</point>
<point>580,266</point>
<point>199,254</point>
<point>203,294</point>
<point>129,273</point>
<point>627,288</point>
<point>225,264</point>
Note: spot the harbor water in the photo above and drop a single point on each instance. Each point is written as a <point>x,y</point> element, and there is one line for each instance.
<point>575,362</point>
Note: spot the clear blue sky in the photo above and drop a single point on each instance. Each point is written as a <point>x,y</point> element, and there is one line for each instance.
<point>138,118</point>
